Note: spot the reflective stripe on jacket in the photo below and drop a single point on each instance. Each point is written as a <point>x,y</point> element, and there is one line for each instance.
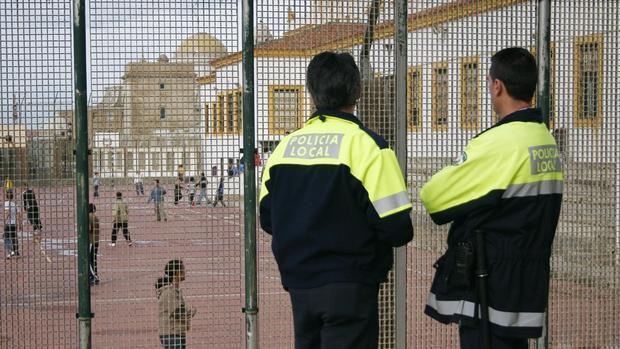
<point>508,183</point>
<point>334,199</point>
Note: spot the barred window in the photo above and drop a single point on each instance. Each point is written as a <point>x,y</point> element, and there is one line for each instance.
<point>97,157</point>
<point>239,110</point>
<point>415,99</point>
<point>141,160</point>
<point>170,162</point>
<point>230,112</point>
<point>220,113</point>
<point>285,108</point>
<point>129,161</point>
<point>155,161</point>
<point>207,120</point>
<point>470,94</point>
<point>213,118</point>
<point>118,161</point>
<point>588,80</point>
<point>588,62</point>
<point>110,163</point>
<point>440,97</point>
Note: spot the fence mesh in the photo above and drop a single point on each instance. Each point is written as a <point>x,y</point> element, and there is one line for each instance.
<point>160,111</point>
<point>450,46</point>
<point>165,93</point>
<point>585,293</point>
<point>37,293</point>
<point>447,103</point>
<point>288,34</point>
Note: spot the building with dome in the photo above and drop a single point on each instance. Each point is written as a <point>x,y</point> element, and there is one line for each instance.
<point>200,49</point>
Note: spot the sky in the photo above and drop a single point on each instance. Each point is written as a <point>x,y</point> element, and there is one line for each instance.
<point>36,41</point>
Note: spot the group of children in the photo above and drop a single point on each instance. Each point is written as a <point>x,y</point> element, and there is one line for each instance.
<point>120,211</point>
<point>192,187</point>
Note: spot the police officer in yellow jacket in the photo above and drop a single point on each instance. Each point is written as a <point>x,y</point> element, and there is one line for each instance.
<point>508,184</point>
<point>334,199</point>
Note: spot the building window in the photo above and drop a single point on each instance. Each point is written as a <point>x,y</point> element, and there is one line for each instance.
<point>110,166</point>
<point>97,158</point>
<point>285,108</point>
<point>239,110</point>
<point>213,116</point>
<point>220,113</point>
<point>440,97</point>
<point>207,110</point>
<point>230,112</point>
<point>129,161</point>
<point>161,86</point>
<point>414,92</point>
<point>156,161</point>
<point>184,159</point>
<point>470,93</point>
<point>170,162</point>
<point>588,63</point>
<point>141,160</point>
<point>162,113</point>
<point>118,162</point>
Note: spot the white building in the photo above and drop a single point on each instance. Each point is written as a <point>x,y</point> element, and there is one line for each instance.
<point>449,50</point>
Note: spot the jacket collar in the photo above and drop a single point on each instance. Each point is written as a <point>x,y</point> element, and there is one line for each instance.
<point>521,115</point>
<point>321,113</point>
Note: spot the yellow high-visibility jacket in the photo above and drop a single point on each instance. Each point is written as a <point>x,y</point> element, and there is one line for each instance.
<point>334,199</point>
<point>508,183</point>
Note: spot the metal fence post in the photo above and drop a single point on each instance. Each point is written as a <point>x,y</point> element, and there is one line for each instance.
<point>543,24</point>
<point>544,56</point>
<point>249,187</point>
<point>400,106</point>
<point>81,170</point>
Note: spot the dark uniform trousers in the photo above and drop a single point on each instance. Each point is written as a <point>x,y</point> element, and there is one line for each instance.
<point>339,315</point>
<point>471,338</point>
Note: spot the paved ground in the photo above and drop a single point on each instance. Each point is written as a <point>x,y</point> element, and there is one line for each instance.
<point>39,299</point>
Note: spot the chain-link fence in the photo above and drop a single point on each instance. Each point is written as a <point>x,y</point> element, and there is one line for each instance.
<point>161,112</point>
<point>450,46</point>
<point>38,287</point>
<point>165,95</point>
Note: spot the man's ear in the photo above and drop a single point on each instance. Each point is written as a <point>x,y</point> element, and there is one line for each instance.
<point>498,87</point>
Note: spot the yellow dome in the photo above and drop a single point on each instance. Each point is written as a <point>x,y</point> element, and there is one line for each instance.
<point>201,43</point>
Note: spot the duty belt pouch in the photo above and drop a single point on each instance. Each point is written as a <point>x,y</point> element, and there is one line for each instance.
<point>463,268</point>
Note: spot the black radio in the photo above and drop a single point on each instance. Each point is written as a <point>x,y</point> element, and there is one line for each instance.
<point>463,272</point>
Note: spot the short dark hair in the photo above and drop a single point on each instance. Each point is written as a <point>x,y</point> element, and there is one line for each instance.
<point>92,208</point>
<point>119,195</point>
<point>333,80</point>
<point>173,267</point>
<point>516,68</point>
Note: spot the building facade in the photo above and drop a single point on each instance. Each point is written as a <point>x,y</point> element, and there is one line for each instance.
<point>151,123</point>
